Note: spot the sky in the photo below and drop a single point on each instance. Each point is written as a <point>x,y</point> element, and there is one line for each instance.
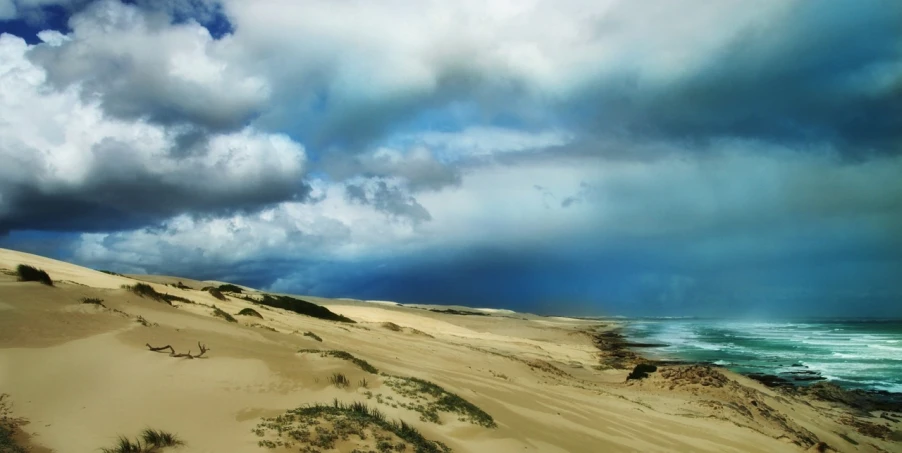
<point>576,157</point>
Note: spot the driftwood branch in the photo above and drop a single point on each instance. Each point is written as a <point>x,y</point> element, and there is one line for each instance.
<point>172,353</point>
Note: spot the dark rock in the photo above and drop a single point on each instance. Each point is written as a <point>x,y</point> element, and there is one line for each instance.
<point>641,371</point>
<point>770,380</point>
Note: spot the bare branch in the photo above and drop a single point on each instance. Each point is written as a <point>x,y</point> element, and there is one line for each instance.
<point>160,349</point>
<point>172,353</point>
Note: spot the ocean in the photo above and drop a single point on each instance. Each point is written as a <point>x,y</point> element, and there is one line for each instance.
<point>851,353</point>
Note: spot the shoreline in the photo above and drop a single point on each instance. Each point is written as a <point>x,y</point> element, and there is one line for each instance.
<point>619,352</point>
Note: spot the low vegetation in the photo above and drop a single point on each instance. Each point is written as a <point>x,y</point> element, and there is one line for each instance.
<point>392,326</point>
<point>363,364</point>
<point>219,313</point>
<point>145,290</point>
<point>322,426</point>
<point>314,336</point>
<point>150,441</point>
<point>339,380</point>
<point>250,312</point>
<point>216,293</point>
<point>230,288</point>
<point>110,272</point>
<point>92,301</point>
<point>302,307</point>
<point>9,425</point>
<point>261,326</point>
<point>429,399</point>
<point>452,311</point>
<point>641,371</point>
<point>28,273</point>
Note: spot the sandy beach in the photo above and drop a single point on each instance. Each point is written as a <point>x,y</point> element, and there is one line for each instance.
<point>79,375</point>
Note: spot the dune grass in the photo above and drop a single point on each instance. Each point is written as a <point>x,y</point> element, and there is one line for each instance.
<point>149,441</point>
<point>145,290</point>
<point>92,301</point>
<point>363,364</point>
<point>9,425</point>
<point>28,273</point>
<point>392,326</point>
<point>250,312</point>
<point>339,380</point>
<point>429,399</point>
<point>217,312</point>
<point>302,307</point>
<point>303,426</point>
<point>216,293</point>
<point>314,336</point>
<point>111,273</point>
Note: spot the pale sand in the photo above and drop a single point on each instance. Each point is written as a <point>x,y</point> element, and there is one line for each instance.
<point>82,376</point>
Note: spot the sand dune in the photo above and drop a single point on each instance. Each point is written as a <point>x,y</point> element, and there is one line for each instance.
<point>81,375</point>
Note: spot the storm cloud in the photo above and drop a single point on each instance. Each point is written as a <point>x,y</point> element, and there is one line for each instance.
<point>561,157</point>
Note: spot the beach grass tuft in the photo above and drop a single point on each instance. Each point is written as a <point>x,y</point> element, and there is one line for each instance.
<point>149,441</point>
<point>28,273</point>
<point>339,380</point>
<point>219,313</point>
<point>92,301</point>
<point>363,364</point>
<point>314,336</point>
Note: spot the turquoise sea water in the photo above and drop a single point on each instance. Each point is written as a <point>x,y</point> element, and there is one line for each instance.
<point>853,354</point>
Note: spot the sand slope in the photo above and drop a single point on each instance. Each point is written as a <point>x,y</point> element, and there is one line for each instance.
<point>81,375</point>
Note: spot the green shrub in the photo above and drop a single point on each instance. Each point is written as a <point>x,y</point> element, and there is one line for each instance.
<point>28,273</point>
<point>303,307</point>
<point>250,312</point>
<point>230,288</point>
<point>216,293</point>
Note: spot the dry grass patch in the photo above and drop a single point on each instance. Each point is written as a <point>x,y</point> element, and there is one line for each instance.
<point>326,426</point>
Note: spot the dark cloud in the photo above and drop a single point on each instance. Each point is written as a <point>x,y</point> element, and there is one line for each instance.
<point>819,72</point>
<point>110,203</point>
<point>390,200</point>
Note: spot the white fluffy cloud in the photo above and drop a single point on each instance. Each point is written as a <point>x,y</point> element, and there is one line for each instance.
<point>139,65</point>
<point>61,148</point>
